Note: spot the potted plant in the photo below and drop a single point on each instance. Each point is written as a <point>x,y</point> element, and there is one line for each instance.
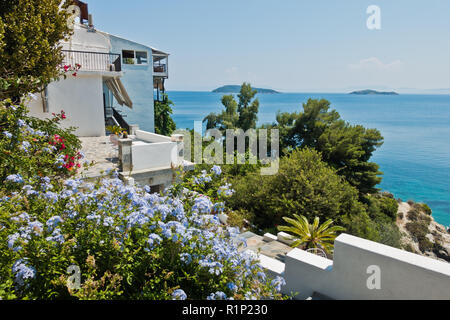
<point>116,133</point>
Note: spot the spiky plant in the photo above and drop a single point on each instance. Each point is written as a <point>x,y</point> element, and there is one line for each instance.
<point>311,235</point>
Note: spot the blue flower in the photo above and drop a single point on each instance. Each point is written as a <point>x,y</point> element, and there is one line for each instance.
<point>12,239</point>
<point>217,170</point>
<point>51,196</point>
<point>22,271</point>
<point>53,222</point>
<point>202,204</point>
<point>232,286</point>
<point>25,146</point>
<point>7,134</point>
<point>278,282</point>
<point>17,178</point>
<point>219,295</point>
<point>108,221</point>
<point>186,258</point>
<point>154,238</point>
<point>56,236</point>
<point>21,123</point>
<point>225,190</point>
<point>179,294</point>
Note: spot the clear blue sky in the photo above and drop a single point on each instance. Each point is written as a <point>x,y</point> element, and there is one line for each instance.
<point>289,45</point>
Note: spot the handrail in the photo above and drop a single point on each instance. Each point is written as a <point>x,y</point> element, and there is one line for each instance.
<point>121,120</point>
<point>93,61</point>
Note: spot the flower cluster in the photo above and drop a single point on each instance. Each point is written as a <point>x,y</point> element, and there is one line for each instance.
<point>71,69</point>
<point>36,147</point>
<point>127,241</point>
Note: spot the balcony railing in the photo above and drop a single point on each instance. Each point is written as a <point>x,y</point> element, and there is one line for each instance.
<point>161,68</point>
<point>93,61</point>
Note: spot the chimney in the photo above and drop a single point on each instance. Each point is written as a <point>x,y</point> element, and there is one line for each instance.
<point>91,23</point>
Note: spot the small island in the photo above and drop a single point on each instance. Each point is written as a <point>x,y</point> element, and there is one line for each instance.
<point>236,89</point>
<point>368,91</point>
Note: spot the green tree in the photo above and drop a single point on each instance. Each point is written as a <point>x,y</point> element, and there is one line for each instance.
<point>304,185</point>
<point>312,235</point>
<point>30,32</point>
<point>242,114</point>
<point>164,123</point>
<point>347,148</point>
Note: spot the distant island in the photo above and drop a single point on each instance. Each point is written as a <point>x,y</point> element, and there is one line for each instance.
<point>236,89</point>
<point>365,92</point>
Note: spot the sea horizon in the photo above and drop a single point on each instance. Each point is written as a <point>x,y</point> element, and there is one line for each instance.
<point>415,156</point>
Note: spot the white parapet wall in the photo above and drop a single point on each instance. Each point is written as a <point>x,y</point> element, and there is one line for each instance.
<point>363,269</point>
<point>154,155</point>
<point>151,137</point>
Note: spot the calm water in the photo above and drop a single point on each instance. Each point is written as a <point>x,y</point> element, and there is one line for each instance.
<point>415,157</point>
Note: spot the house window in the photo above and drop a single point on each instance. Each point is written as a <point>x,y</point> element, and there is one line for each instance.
<point>134,57</point>
<point>128,56</point>
<point>141,57</point>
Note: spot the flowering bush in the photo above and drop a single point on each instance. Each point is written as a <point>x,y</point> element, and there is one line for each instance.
<point>210,185</point>
<point>32,147</point>
<point>127,243</point>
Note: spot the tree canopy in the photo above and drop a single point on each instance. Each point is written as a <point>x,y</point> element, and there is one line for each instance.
<point>347,148</point>
<point>241,114</point>
<point>30,32</point>
<point>164,123</point>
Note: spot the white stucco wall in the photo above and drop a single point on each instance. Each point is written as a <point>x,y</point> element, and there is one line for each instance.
<point>403,275</point>
<point>81,97</point>
<point>82,40</point>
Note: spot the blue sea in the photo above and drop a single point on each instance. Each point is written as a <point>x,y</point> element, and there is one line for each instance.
<point>415,156</point>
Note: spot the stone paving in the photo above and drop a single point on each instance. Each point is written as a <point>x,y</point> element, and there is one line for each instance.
<point>272,249</point>
<point>102,152</point>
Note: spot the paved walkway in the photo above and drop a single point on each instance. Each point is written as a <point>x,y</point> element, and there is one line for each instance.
<point>273,249</point>
<point>102,152</point>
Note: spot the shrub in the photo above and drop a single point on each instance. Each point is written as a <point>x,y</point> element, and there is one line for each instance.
<point>32,147</point>
<point>413,215</point>
<point>425,244</point>
<point>426,209</point>
<point>389,234</point>
<point>304,185</point>
<point>127,243</point>
<point>408,247</point>
<point>419,230</point>
<point>410,202</point>
<point>381,207</point>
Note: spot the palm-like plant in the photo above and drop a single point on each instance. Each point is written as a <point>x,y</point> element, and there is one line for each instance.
<point>312,235</point>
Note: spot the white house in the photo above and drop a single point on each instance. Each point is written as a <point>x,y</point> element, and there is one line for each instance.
<point>116,77</point>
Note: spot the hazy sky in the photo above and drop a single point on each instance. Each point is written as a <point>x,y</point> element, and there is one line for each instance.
<point>289,45</point>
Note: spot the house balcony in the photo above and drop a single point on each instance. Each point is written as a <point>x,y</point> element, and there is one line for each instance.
<point>160,65</point>
<point>93,61</point>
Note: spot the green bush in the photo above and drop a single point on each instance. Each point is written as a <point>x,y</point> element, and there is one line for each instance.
<point>425,245</point>
<point>413,215</point>
<point>426,209</point>
<point>32,147</point>
<point>381,208</point>
<point>419,230</point>
<point>389,234</point>
<point>304,185</point>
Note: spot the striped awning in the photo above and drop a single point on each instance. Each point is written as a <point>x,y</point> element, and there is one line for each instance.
<point>117,88</point>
